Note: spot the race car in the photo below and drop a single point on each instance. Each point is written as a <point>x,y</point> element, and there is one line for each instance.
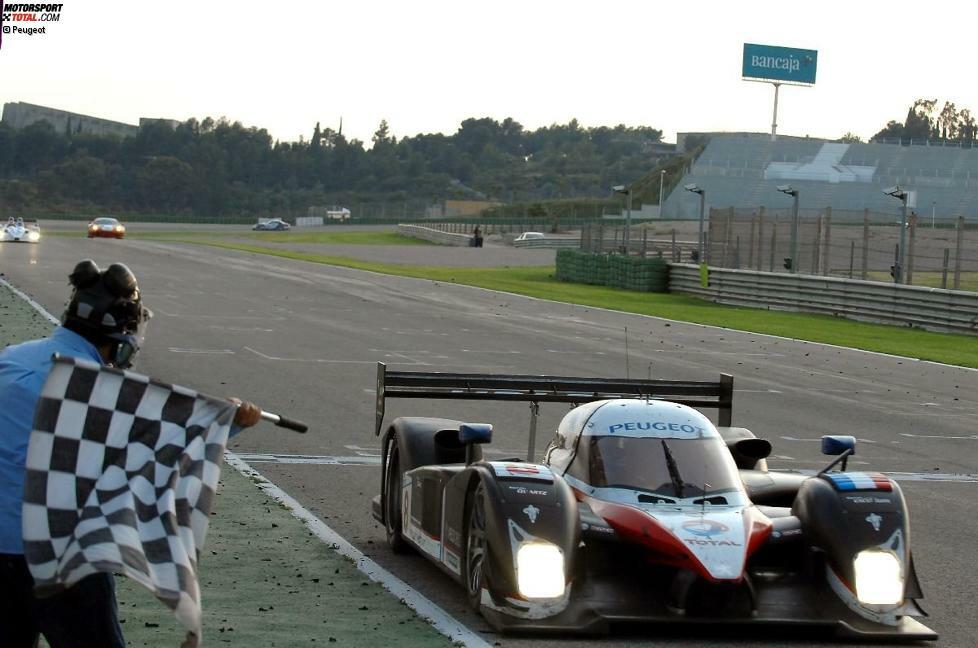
<point>642,510</point>
<point>21,231</point>
<point>106,227</point>
<point>272,225</point>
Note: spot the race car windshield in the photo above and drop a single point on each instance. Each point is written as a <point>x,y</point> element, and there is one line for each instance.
<point>681,469</point>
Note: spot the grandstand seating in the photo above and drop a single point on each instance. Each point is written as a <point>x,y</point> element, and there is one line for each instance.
<point>745,170</point>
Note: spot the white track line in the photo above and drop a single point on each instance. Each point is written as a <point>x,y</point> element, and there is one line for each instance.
<point>437,617</point>
<point>40,309</point>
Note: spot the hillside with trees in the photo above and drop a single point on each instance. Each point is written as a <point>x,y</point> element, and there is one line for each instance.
<point>926,122</point>
<point>216,168</point>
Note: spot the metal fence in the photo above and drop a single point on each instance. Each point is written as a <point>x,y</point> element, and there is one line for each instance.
<point>853,244</point>
<point>658,240</point>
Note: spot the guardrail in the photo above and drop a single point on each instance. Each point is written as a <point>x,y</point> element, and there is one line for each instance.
<point>549,242</point>
<point>927,308</point>
<point>434,235</point>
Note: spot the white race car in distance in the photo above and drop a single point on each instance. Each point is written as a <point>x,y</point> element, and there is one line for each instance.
<point>20,231</point>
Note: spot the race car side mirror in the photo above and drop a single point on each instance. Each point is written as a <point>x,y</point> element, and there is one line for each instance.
<point>474,433</point>
<point>470,434</point>
<point>837,444</point>
<point>755,449</point>
<point>842,445</point>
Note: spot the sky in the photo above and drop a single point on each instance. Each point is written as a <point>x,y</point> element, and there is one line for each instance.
<point>425,66</point>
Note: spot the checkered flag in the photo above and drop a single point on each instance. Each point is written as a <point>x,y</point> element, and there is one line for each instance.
<point>121,474</point>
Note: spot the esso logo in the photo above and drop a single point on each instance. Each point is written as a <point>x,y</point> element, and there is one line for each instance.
<point>705,528</point>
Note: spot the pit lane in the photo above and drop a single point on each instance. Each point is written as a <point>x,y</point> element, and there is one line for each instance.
<point>303,339</point>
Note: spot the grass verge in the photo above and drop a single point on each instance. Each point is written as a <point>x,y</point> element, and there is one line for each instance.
<point>949,348</point>
<point>291,237</point>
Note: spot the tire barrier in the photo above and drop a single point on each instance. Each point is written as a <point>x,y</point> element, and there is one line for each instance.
<point>613,270</point>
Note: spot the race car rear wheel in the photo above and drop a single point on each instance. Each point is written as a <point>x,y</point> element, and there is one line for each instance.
<point>392,501</point>
<point>476,546</point>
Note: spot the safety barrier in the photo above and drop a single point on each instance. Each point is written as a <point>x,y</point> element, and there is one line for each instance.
<point>549,242</point>
<point>927,308</point>
<point>434,235</point>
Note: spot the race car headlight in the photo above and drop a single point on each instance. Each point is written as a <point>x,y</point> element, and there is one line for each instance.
<point>33,236</point>
<point>879,578</point>
<point>120,228</point>
<point>540,570</point>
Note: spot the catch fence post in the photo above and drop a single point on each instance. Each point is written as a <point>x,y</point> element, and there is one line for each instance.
<point>828,242</point>
<point>908,279</point>
<point>750,244</point>
<point>816,244</point>
<point>760,239</point>
<point>957,254</point>
<point>865,273</point>
<point>947,255</point>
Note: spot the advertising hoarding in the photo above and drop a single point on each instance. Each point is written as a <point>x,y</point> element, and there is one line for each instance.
<point>773,63</point>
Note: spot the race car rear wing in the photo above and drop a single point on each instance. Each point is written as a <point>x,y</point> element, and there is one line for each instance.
<point>549,389</point>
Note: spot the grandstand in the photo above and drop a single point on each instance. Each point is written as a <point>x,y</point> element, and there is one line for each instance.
<point>743,171</point>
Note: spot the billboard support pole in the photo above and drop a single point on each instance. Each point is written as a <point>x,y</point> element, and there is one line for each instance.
<point>774,120</point>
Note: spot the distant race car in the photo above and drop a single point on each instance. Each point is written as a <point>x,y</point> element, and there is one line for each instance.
<point>21,231</point>
<point>272,225</point>
<point>642,510</point>
<point>107,228</point>
<point>529,236</point>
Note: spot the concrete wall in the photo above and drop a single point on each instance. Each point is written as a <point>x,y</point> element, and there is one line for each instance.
<point>435,236</point>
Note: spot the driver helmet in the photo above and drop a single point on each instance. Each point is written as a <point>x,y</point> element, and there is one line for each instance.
<point>106,307</point>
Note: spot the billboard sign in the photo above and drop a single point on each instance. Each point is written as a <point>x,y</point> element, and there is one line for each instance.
<point>773,63</point>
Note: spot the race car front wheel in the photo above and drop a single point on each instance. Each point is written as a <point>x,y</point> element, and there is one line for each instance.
<point>392,501</point>
<point>476,546</point>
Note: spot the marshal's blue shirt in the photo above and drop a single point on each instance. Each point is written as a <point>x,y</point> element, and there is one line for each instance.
<point>23,369</point>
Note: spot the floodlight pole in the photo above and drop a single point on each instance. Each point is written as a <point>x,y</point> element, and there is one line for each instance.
<point>794,233</point>
<point>788,190</point>
<point>628,221</point>
<point>662,181</point>
<point>699,246</point>
<point>898,274</point>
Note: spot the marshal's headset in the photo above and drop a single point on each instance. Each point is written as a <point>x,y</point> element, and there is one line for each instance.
<point>106,307</point>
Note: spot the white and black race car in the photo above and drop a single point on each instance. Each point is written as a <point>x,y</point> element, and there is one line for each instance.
<point>20,231</point>
<point>642,510</point>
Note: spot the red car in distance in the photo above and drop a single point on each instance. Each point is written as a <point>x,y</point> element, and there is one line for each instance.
<point>106,228</point>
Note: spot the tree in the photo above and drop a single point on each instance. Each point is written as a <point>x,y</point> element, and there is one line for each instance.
<point>382,135</point>
<point>166,183</point>
<point>966,127</point>
<point>851,138</point>
<point>947,121</point>
<point>317,137</point>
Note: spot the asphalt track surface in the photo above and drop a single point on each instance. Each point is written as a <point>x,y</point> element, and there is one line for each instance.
<point>303,339</point>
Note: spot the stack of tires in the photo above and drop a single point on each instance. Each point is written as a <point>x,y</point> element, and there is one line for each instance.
<point>630,273</point>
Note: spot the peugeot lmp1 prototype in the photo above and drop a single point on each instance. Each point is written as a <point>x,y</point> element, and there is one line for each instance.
<point>642,510</point>
<point>20,231</point>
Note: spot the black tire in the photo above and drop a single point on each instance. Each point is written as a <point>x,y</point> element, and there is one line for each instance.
<point>476,546</point>
<point>392,501</point>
